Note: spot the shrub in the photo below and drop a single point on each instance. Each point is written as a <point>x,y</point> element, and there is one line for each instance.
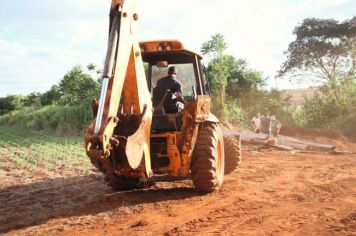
<point>69,119</point>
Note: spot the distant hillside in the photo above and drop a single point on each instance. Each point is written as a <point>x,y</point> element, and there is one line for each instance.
<point>297,95</point>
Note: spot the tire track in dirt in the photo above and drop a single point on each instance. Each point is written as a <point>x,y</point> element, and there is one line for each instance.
<point>272,193</point>
<point>224,220</point>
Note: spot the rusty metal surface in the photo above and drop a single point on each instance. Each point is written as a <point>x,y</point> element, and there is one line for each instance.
<point>118,138</point>
<point>202,108</point>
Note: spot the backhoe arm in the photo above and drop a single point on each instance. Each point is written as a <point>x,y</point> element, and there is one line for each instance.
<point>120,134</point>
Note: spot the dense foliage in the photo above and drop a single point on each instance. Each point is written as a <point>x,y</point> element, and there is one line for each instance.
<point>325,49</point>
<point>235,88</point>
<point>334,107</point>
<point>77,87</point>
<point>10,103</point>
<point>65,107</point>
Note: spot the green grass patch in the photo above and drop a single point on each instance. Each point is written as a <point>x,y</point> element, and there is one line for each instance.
<point>25,149</point>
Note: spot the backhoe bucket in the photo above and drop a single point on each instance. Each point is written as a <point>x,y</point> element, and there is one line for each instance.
<point>136,145</point>
<point>133,134</point>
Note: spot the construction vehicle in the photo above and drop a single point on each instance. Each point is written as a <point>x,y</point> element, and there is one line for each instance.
<point>129,140</point>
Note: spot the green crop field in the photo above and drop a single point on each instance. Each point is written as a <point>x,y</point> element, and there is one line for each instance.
<point>33,151</point>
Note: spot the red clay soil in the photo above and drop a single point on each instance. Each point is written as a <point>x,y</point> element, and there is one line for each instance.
<point>272,193</point>
<point>321,136</point>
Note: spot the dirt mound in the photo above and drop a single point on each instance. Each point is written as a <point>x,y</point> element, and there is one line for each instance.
<point>322,136</point>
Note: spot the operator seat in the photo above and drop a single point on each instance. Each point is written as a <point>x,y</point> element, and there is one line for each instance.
<point>163,122</point>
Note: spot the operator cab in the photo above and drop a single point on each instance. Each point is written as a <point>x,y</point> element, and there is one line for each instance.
<point>159,55</point>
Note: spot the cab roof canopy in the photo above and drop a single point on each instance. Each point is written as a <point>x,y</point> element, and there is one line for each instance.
<point>172,51</point>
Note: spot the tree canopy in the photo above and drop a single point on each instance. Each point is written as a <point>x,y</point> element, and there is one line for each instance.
<point>76,86</point>
<point>242,79</point>
<point>220,66</point>
<point>323,49</point>
<point>232,83</point>
<point>10,103</point>
<point>214,47</point>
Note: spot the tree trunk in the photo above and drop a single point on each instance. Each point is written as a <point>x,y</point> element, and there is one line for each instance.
<point>222,95</point>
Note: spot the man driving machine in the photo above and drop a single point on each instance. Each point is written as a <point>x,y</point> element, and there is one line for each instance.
<point>168,92</point>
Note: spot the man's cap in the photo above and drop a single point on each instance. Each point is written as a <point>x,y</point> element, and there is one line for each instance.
<point>172,70</point>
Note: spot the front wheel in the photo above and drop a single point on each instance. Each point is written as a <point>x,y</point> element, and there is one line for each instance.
<point>207,165</point>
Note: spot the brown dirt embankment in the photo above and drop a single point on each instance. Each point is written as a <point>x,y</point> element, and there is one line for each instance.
<point>321,136</point>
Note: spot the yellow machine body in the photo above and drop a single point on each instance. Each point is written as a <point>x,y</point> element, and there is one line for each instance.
<point>126,138</point>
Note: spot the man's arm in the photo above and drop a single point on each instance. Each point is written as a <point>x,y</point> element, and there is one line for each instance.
<point>179,97</point>
<point>177,91</point>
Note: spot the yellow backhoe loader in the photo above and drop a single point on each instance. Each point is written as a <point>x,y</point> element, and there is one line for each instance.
<point>129,140</point>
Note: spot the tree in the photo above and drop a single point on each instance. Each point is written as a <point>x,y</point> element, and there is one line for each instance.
<point>230,80</point>
<point>323,49</point>
<point>33,99</point>
<point>327,110</point>
<point>96,73</point>
<point>10,103</point>
<point>51,97</point>
<point>215,47</point>
<point>91,67</point>
<point>76,87</point>
<point>220,66</point>
<point>218,72</point>
<point>243,80</point>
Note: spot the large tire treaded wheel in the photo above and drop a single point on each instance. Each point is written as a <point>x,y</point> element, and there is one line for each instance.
<point>207,165</point>
<point>232,148</point>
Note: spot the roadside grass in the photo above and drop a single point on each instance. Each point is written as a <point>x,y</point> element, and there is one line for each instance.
<point>59,118</point>
<point>33,151</point>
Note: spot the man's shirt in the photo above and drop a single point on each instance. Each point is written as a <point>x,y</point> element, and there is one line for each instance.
<point>168,82</point>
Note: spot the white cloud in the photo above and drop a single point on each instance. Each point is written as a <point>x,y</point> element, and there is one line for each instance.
<point>38,62</point>
<point>314,4</point>
<point>76,33</point>
<point>250,28</point>
<point>25,69</point>
<point>258,31</point>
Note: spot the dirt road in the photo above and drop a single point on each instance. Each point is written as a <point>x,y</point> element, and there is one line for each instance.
<point>274,193</point>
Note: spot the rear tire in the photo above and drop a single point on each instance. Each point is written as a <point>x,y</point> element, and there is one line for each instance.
<point>207,165</point>
<point>232,147</point>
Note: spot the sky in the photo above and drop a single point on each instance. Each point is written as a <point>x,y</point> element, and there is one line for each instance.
<point>41,40</point>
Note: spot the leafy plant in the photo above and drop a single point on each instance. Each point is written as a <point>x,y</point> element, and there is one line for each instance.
<point>76,87</point>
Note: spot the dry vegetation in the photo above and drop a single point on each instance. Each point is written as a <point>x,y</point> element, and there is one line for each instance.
<point>298,95</point>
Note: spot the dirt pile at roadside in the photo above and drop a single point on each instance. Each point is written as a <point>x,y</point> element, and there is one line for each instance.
<point>321,136</point>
